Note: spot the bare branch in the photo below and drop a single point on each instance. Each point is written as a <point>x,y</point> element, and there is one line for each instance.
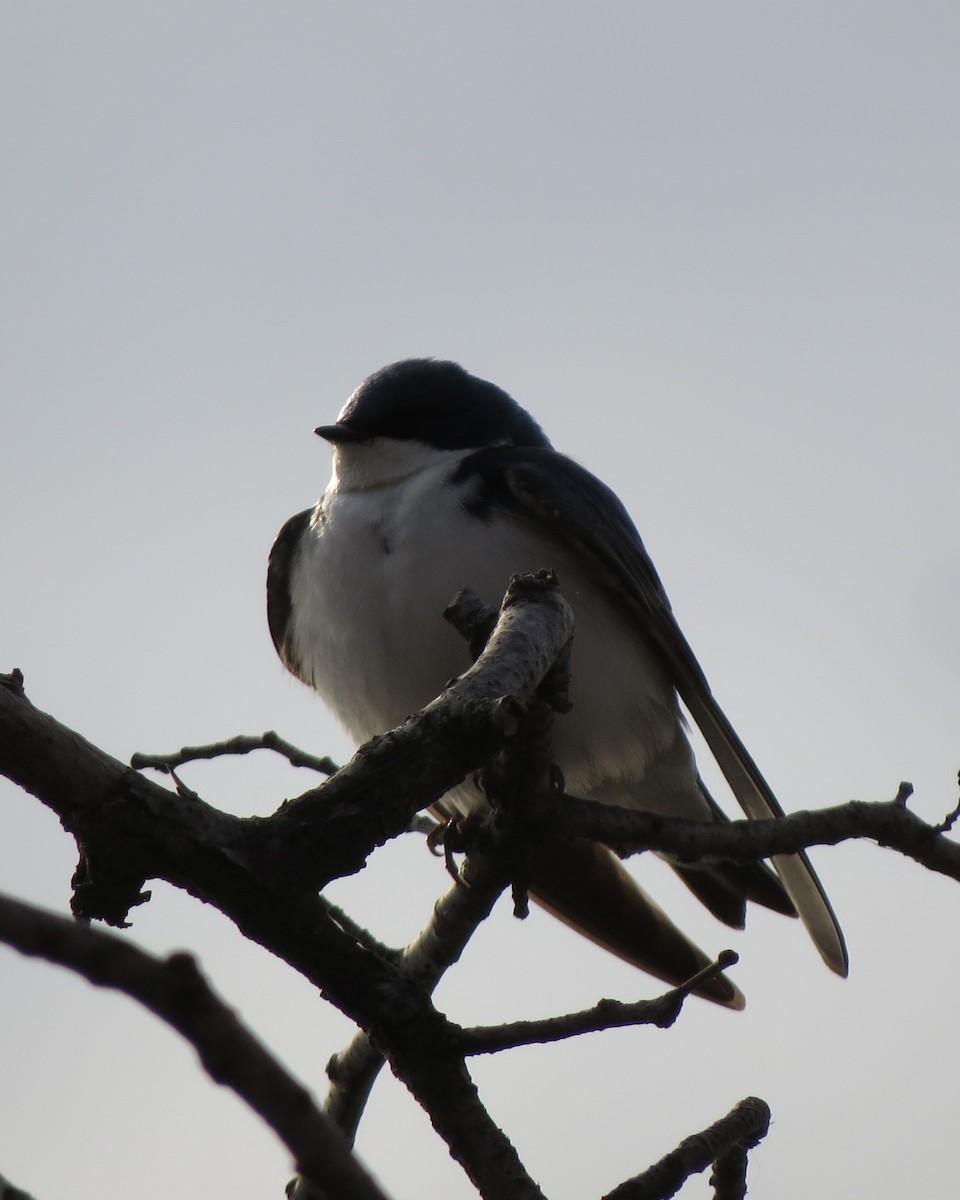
<point>727,1139</point>
<point>950,819</point>
<point>521,783</point>
<point>362,936</point>
<point>262,873</point>
<point>241,744</point>
<point>472,618</point>
<point>455,918</point>
<point>606,1014</point>
<point>413,766</point>
<point>9,1192</point>
<point>890,823</point>
<point>174,989</point>
<point>131,829</point>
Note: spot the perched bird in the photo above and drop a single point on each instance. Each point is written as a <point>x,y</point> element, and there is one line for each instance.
<point>442,481</point>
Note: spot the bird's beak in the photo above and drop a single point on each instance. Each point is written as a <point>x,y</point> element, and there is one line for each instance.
<point>341,434</point>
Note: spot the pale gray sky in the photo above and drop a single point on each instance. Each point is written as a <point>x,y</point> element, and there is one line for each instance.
<point>714,249</point>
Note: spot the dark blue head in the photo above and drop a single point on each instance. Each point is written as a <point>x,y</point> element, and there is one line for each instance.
<point>439,403</point>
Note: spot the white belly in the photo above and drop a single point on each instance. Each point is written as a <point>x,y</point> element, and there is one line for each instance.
<point>369,590</point>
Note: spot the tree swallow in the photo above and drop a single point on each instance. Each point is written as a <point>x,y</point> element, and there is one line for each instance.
<point>442,481</point>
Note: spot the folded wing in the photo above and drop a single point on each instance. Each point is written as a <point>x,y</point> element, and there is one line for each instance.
<point>578,510</point>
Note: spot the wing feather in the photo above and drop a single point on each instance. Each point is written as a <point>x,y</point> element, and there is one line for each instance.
<point>577,509</point>
<point>279,603</point>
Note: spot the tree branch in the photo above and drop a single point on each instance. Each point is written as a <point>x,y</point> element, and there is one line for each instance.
<point>129,829</point>
<point>174,989</point>
<point>455,918</point>
<point>263,873</point>
<point>413,766</point>
<point>890,823</point>
<point>9,1192</point>
<point>241,744</point>
<point>727,1140</point>
<point>605,1014</point>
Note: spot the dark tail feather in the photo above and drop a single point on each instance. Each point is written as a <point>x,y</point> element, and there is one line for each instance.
<point>587,886</point>
<point>725,888</point>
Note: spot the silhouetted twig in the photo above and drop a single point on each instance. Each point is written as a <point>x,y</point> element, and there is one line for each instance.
<point>241,744</point>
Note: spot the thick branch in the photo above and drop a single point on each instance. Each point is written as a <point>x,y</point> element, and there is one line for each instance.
<point>134,829</point>
<point>521,785</point>
<point>131,829</point>
<point>175,991</point>
<point>262,872</point>
<point>9,1192</point>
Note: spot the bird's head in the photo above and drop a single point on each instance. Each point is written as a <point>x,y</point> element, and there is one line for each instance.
<point>411,413</point>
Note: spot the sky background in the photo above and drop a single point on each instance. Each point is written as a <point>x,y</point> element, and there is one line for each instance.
<point>714,249</point>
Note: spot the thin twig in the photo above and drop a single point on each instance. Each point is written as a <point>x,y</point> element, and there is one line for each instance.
<point>241,744</point>
<point>950,819</point>
<point>605,1014</point>
<point>472,618</point>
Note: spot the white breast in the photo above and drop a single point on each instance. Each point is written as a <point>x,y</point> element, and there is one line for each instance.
<point>369,589</point>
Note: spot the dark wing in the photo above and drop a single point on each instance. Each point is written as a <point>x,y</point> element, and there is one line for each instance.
<point>279,604</point>
<point>580,511</point>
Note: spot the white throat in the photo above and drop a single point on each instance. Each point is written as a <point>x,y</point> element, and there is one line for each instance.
<point>382,462</point>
